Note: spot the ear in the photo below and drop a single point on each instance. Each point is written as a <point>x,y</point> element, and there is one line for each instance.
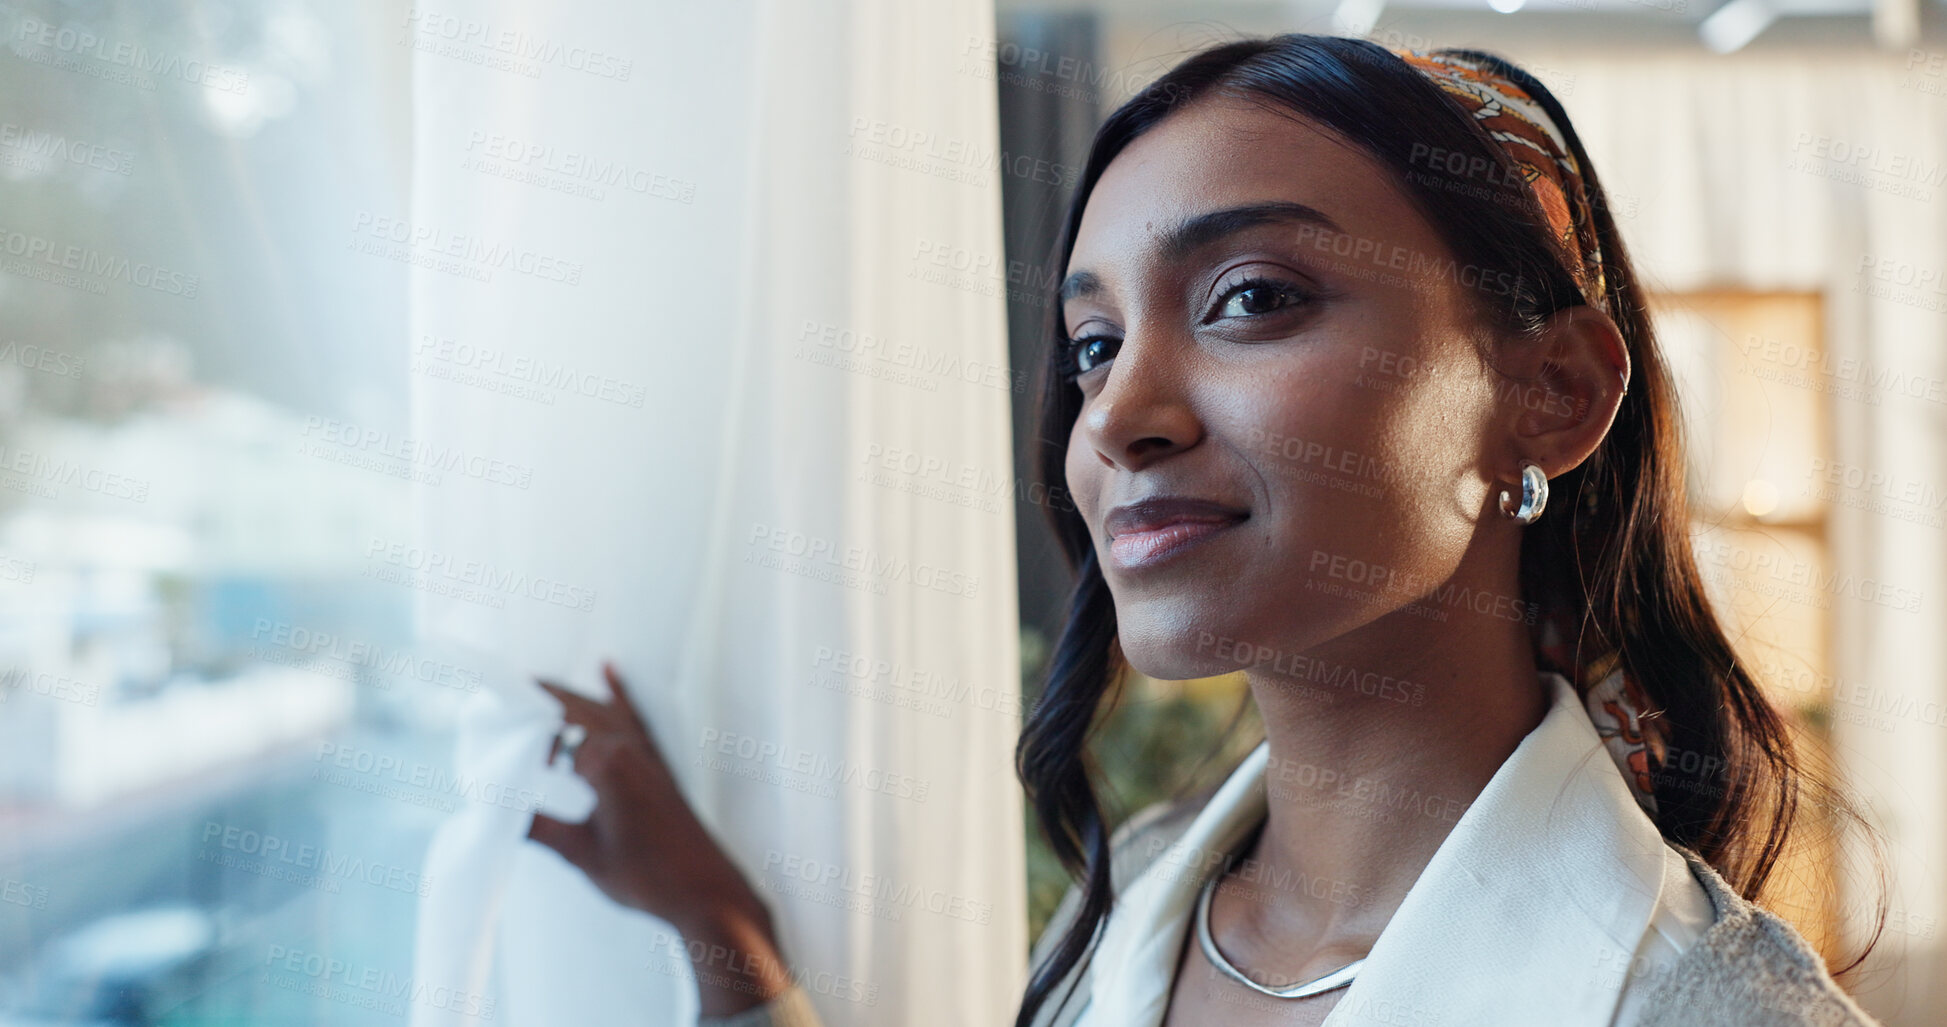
<point>1559,392</point>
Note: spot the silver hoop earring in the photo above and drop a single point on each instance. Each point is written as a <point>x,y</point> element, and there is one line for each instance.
<point>1534,494</point>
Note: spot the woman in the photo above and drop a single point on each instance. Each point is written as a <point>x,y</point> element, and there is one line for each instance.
<point>1335,324</point>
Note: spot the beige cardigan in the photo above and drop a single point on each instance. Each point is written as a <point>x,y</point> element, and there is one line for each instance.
<point>1750,968</point>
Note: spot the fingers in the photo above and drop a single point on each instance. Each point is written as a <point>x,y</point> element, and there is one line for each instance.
<point>574,842</point>
<point>576,707</point>
<point>627,705</point>
<point>620,691</point>
<point>619,716</point>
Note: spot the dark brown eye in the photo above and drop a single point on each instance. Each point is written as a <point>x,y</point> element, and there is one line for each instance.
<point>1258,297</point>
<point>1091,351</point>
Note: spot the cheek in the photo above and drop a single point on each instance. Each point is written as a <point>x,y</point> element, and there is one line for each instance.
<point>1083,472</point>
<point>1315,440</point>
<point>1359,470</point>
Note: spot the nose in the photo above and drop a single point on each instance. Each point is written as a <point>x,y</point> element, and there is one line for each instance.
<point>1143,411</point>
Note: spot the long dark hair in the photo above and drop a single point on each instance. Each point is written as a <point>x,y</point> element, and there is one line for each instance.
<point>1620,557</point>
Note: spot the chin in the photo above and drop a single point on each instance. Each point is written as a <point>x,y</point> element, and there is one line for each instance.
<point>1176,653</point>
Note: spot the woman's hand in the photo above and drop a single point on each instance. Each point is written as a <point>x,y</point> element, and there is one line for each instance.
<point>645,848</point>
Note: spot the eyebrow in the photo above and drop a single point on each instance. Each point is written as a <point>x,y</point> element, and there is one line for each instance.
<point>1198,231</point>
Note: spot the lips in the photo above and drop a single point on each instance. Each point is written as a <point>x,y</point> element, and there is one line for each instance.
<point>1143,534</point>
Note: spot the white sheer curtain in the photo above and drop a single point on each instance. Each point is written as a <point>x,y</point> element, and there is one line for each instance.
<point>773,483</point>
<point>1824,173</point>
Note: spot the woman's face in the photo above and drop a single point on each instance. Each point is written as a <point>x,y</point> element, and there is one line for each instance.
<point>1272,334</point>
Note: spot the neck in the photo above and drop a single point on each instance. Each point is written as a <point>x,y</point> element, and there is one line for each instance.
<point>1364,783</point>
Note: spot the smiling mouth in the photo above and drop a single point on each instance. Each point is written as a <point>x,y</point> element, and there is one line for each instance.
<point>1140,550</point>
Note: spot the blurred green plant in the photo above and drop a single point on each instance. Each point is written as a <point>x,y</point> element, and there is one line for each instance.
<point>1159,740</point>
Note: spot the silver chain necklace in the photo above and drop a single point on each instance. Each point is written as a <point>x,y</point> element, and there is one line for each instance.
<point>1336,979</point>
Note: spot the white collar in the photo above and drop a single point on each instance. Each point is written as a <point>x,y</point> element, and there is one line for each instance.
<point>1553,867</point>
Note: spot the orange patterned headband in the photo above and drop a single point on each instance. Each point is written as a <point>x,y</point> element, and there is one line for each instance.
<point>1526,132</point>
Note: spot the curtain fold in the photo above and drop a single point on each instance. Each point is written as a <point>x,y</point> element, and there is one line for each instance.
<point>707,299</point>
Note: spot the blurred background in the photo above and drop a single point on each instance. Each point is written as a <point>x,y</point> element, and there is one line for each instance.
<point>218,739</point>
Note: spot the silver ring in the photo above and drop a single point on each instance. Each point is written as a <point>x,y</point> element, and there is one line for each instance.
<point>569,738</point>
